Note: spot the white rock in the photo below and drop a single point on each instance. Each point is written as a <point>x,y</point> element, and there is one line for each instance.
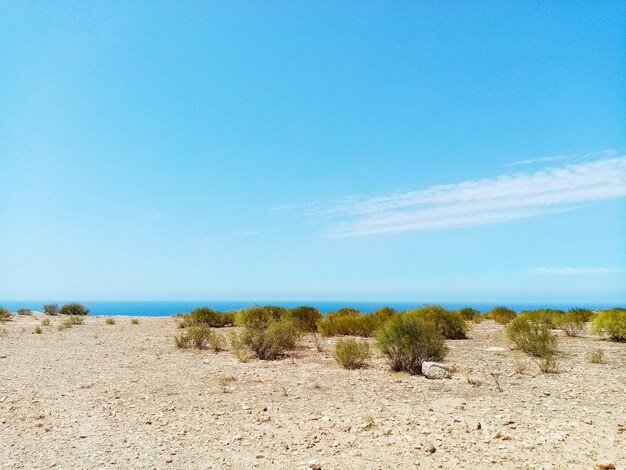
<point>435,370</point>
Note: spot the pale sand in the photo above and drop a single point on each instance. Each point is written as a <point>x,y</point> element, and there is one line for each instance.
<point>122,396</point>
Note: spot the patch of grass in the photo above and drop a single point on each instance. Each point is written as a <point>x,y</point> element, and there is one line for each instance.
<point>110,321</point>
<point>319,343</point>
<point>534,338</point>
<point>225,380</point>
<point>408,341</point>
<point>24,311</point>
<point>38,330</point>
<point>51,309</point>
<point>500,314</point>
<point>134,321</point>
<point>610,323</point>
<point>596,356</point>
<point>351,353</point>
<point>5,314</point>
<point>46,322</point>
<point>74,309</point>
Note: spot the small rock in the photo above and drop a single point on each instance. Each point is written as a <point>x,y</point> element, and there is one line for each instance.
<point>605,466</point>
<point>237,437</point>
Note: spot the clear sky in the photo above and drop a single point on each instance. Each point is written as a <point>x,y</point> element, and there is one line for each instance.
<point>362,150</point>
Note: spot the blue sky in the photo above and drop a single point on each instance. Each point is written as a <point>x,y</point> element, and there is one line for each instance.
<point>423,151</point>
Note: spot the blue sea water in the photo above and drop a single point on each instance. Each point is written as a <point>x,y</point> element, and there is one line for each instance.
<point>172,307</point>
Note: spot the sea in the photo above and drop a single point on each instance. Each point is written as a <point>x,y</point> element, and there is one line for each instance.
<point>165,308</point>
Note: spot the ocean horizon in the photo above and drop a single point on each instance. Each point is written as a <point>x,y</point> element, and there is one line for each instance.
<point>165,308</point>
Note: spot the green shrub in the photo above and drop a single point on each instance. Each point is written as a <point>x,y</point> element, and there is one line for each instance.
<point>501,315</point>
<point>408,341</point>
<point>259,317</point>
<point>351,353</point>
<point>343,312</point>
<point>5,314</point>
<point>544,315</point>
<point>207,316</point>
<point>450,324</point>
<point>351,322</point>
<point>307,317</point>
<point>611,323</point>
<point>583,313</point>
<point>51,309</point>
<point>74,308</point>
<point>470,314</point>
<point>535,338</point>
<point>273,340</point>
<point>24,311</point>
<point>38,330</point>
<point>571,323</point>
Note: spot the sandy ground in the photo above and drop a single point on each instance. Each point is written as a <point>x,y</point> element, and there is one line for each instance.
<point>122,396</point>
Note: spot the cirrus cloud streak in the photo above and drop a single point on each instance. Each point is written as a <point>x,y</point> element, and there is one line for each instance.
<point>485,201</point>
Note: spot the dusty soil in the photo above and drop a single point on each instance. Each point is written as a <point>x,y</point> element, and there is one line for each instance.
<point>122,396</point>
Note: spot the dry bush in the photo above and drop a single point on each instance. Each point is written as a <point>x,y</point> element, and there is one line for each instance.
<point>71,321</point>
<point>134,321</point>
<point>45,322</point>
<point>5,314</point>
<point>274,340</point>
<point>110,321</point>
<point>24,311</point>
<point>51,309</point>
<point>225,380</point>
<point>38,330</point>
<point>352,354</point>
<point>571,324</point>
<point>548,364</point>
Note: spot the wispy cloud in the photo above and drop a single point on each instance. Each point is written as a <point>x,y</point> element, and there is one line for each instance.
<point>486,201</point>
<point>531,161</point>
<point>559,158</point>
<point>577,270</point>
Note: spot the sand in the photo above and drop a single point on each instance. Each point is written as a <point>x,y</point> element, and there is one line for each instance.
<point>122,396</point>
